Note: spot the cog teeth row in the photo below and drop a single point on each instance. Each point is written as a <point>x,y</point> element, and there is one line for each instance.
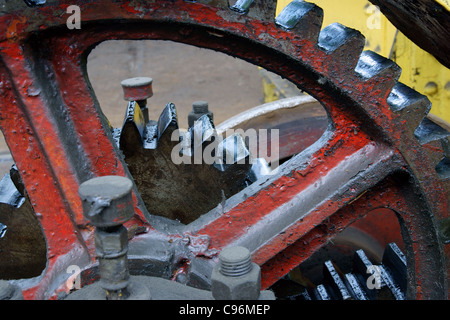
<point>302,17</point>
<point>372,65</point>
<point>135,134</point>
<point>391,276</point>
<point>261,9</point>
<point>148,149</point>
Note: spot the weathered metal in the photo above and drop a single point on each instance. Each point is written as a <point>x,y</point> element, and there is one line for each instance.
<point>22,243</point>
<point>370,156</point>
<point>138,89</point>
<point>171,167</point>
<point>300,120</point>
<point>107,204</point>
<point>199,108</point>
<point>9,291</point>
<point>236,277</point>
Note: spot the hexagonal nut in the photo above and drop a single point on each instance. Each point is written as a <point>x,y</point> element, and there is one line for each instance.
<point>110,244</point>
<point>245,287</point>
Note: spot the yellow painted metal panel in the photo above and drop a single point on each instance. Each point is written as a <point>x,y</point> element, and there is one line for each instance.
<point>444,3</point>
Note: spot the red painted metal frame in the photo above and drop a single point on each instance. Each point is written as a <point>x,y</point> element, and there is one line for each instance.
<point>52,176</point>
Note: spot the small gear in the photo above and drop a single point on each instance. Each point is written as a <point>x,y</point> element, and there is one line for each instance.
<point>184,174</point>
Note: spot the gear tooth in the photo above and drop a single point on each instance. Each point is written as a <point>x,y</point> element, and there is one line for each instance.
<point>428,131</point>
<point>395,260</point>
<point>240,6</point>
<point>259,169</point>
<point>409,104</point>
<point>437,146</point>
<point>202,133</point>
<point>167,123</point>
<point>371,64</point>
<point>132,132</point>
<point>443,169</point>
<point>234,151</point>
<point>302,17</point>
<point>331,275</point>
<point>343,44</point>
<point>361,266</point>
<point>355,288</point>
<point>321,293</point>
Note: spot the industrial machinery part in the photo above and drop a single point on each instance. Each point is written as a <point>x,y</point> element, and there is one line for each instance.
<point>379,150</point>
<point>366,281</point>
<point>170,168</point>
<point>236,277</point>
<point>107,204</point>
<point>401,38</point>
<point>199,108</point>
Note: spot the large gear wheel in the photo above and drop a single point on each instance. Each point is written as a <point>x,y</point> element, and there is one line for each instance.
<point>379,151</point>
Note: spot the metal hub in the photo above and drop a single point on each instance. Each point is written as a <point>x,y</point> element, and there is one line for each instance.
<point>379,150</point>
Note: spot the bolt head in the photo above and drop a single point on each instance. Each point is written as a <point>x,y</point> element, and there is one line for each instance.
<point>137,89</point>
<point>245,287</point>
<point>107,201</point>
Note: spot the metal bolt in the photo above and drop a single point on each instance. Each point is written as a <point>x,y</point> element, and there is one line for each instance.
<point>236,277</point>
<point>107,203</point>
<point>199,108</point>
<point>138,89</point>
<point>235,261</point>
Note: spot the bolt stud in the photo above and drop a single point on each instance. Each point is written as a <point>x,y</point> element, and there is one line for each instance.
<point>138,89</point>
<point>107,203</point>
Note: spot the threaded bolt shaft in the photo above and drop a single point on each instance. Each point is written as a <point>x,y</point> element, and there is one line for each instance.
<point>235,261</point>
